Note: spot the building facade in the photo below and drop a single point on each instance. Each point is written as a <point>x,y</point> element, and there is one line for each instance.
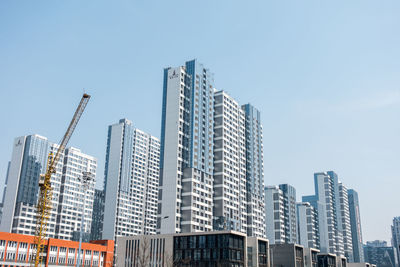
<point>212,248</point>
<point>28,162</point>
<point>211,159</point>
<point>289,200</point>
<point>287,255</point>
<point>281,214</point>
<point>96,232</point>
<point>131,181</point>
<point>187,155</point>
<point>255,172</point>
<point>308,227</point>
<point>274,215</point>
<point>75,199</point>
<point>310,257</point>
<point>355,222</point>
<point>377,252</point>
<point>396,237</point>
<point>325,202</point>
<point>230,195</point>
<point>344,224</point>
<point>20,250</point>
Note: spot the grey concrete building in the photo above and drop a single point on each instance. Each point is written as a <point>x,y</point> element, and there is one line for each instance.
<point>327,260</point>
<point>287,255</point>
<point>311,257</point>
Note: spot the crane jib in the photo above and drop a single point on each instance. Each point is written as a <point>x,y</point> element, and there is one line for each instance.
<point>43,211</point>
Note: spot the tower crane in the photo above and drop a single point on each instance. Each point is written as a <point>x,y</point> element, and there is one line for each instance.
<point>43,211</point>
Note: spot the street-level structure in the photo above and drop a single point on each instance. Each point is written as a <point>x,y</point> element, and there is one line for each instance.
<point>212,248</point>
<point>287,255</point>
<point>20,250</point>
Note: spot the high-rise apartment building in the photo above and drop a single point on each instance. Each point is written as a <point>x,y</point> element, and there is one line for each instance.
<point>274,215</point>
<point>73,195</point>
<point>131,181</point>
<point>230,195</point>
<point>211,162</point>
<point>355,222</point>
<point>377,252</point>
<point>280,214</point>
<point>254,172</point>
<point>187,151</point>
<point>344,225</point>
<point>395,237</point>
<point>289,200</point>
<point>325,202</point>
<point>28,161</point>
<point>308,227</point>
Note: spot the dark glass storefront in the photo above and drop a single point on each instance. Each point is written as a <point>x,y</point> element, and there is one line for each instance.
<point>262,253</point>
<point>220,250</point>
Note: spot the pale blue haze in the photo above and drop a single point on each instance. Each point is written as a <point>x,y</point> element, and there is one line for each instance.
<point>324,74</point>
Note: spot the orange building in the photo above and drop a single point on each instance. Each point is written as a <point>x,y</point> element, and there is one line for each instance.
<point>20,250</point>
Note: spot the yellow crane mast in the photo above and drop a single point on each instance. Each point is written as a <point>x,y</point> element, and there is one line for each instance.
<point>43,211</point>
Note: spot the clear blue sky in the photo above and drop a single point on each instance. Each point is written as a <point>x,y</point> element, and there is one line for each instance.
<point>325,75</point>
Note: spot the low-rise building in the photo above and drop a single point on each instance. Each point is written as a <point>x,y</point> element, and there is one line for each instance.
<point>217,248</point>
<point>257,252</point>
<point>341,261</point>
<point>311,257</point>
<point>287,255</point>
<point>360,264</point>
<point>20,250</point>
<point>326,260</point>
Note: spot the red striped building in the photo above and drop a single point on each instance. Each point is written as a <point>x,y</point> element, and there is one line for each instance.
<point>20,250</point>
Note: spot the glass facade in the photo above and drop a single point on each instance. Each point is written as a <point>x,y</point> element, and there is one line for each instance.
<point>262,253</point>
<point>209,250</point>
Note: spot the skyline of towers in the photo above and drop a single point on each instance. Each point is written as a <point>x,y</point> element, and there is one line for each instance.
<point>206,173</point>
<point>28,161</point>
<point>131,181</point>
